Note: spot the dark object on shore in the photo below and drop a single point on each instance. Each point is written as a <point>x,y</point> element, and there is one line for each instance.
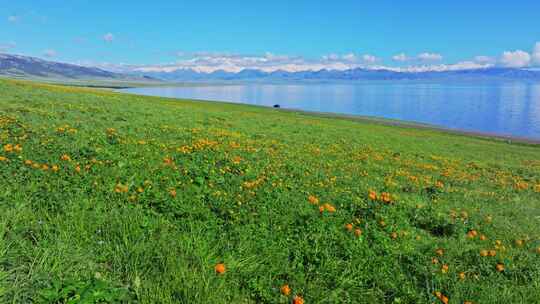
<point>277,106</point>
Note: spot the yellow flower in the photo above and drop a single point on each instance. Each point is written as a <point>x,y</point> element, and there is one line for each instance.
<point>8,148</point>
<point>2,158</point>
<point>121,188</point>
<point>66,157</point>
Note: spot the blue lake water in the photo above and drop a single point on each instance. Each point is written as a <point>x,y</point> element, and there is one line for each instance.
<point>509,109</point>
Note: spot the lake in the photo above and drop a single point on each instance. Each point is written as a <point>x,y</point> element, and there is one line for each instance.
<point>507,109</point>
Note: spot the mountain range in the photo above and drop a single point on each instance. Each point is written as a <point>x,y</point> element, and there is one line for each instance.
<point>493,73</point>
<point>31,67</point>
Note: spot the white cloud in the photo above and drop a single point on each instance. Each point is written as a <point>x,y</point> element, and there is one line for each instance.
<point>460,66</point>
<point>401,57</point>
<point>484,59</point>
<point>210,62</point>
<point>515,59</point>
<point>7,46</point>
<point>429,57</point>
<point>49,53</point>
<point>350,57</point>
<point>536,54</point>
<point>347,58</point>
<point>109,37</point>
<point>330,57</point>
<point>13,18</point>
<point>369,59</point>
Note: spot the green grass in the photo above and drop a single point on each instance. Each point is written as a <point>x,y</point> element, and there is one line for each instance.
<point>149,194</point>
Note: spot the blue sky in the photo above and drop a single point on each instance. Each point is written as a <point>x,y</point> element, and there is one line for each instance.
<point>169,33</point>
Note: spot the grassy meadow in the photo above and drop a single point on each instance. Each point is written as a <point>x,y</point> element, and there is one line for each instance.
<point>113,198</point>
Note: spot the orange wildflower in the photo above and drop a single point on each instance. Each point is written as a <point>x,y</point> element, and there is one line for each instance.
<point>444,299</point>
<point>313,200</point>
<point>386,197</point>
<point>285,290</point>
<point>330,208</point>
<point>372,195</point>
<point>220,268</point>
<point>298,300</point>
<point>472,234</point>
<point>444,268</point>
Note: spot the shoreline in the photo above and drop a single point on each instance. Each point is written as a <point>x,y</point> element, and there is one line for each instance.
<point>373,119</point>
<point>418,125</point>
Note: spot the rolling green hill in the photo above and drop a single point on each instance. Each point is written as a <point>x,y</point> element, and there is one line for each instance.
<point>17,66</point>
<point>109,198</point>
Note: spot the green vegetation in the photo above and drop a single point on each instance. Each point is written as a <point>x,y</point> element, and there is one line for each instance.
<point>108,197</point>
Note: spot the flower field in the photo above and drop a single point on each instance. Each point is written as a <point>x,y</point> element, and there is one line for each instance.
<point>108,198</point>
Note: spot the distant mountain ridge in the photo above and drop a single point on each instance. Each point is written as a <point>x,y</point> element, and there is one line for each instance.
<point>31,67</point>
<point>493,73</point>
<point>28,67</point>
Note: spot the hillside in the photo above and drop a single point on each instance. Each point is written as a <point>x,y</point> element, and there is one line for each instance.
<point>107,197</point>
<point>30,67</point>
